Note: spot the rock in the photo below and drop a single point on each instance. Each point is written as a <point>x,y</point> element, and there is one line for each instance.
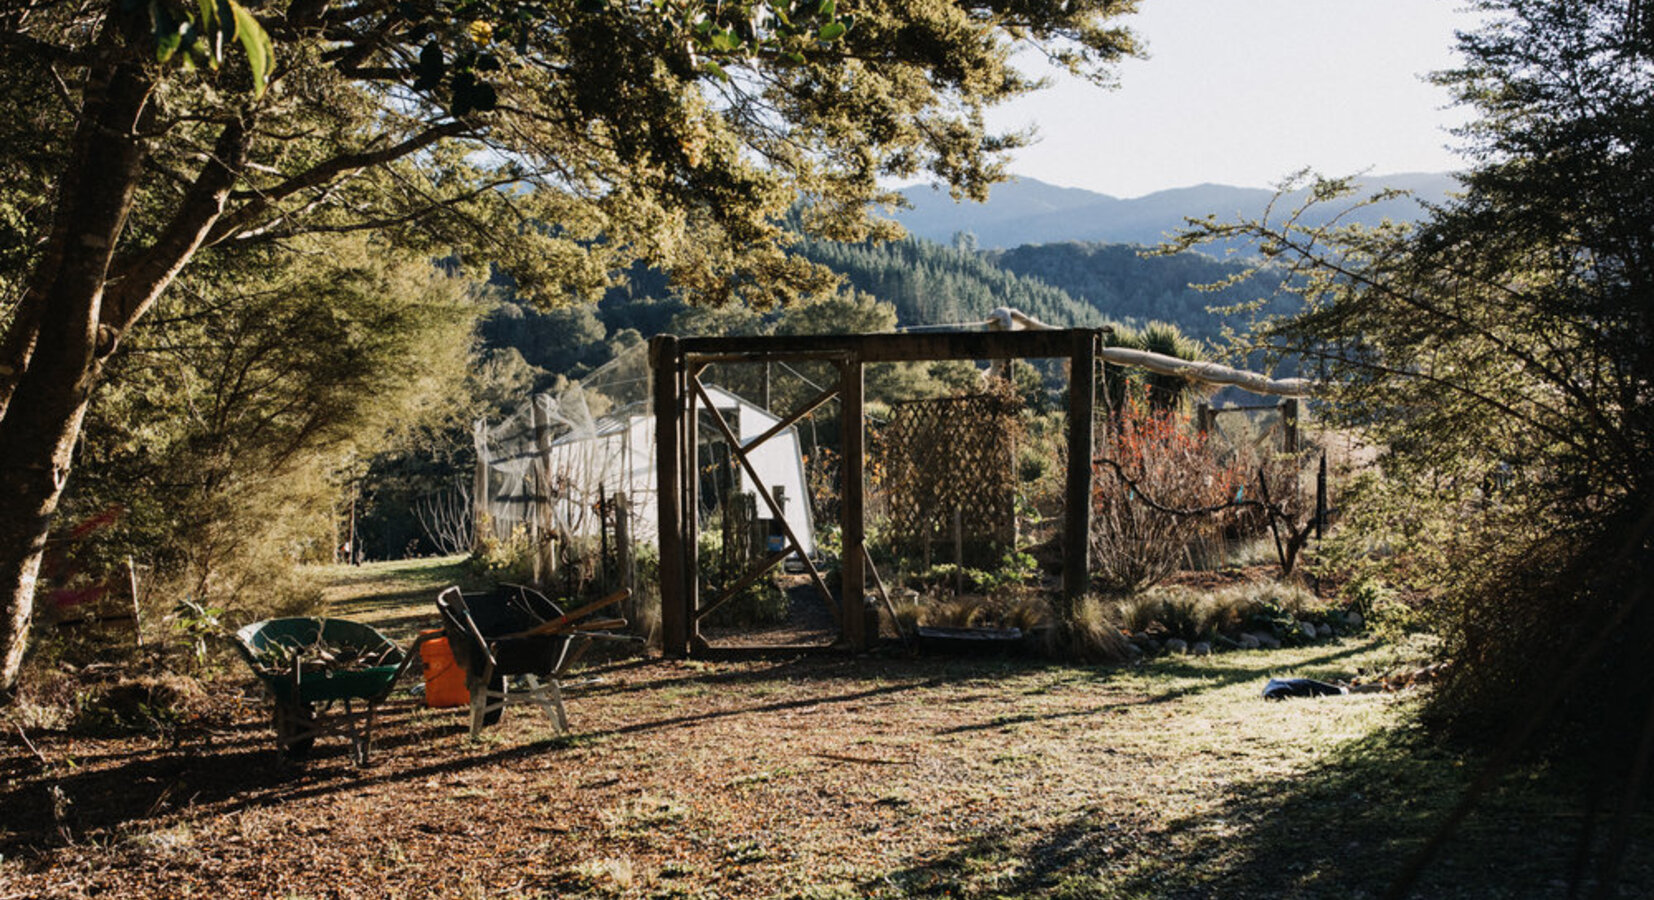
<point>1307,629</point>
<point>1249,642</point>
<point>1201,648</point>
<point>1141,638</point>
<point>1323,630</point>
<point>1176,645</point>
<point>1269,640</point>
<point>1151,646</point>
<point>1354,620</point>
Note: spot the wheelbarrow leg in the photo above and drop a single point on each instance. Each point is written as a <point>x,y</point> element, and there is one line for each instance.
<point>553,708</point>
<point>295,729</point>
<point>361,739</point>
<point>488,698</point>
<point>479,704</point>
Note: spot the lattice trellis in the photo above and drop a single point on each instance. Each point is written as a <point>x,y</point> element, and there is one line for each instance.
<point>953,453</point>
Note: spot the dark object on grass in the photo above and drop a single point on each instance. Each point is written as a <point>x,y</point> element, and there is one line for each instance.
<point>1282,688</point>
<point>969,640</point>
<point>517,632</point>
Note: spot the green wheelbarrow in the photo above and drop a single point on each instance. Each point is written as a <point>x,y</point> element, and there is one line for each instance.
<point>310,664</point>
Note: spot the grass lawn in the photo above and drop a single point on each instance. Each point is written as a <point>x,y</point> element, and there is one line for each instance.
<point>818,777</point>
<point>394,597</point>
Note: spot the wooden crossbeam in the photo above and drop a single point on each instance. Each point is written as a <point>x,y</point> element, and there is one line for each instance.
<point>884,595</point>
<point>810,407</point>
<point>758,486</point>
<point>887,347</point>
<point>729,593</point>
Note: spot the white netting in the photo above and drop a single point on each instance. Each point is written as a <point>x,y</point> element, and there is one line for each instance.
<point>561,464</point>
<point>579,464</point>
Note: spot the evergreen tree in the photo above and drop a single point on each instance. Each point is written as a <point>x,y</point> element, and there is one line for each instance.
<point>1500,356</point>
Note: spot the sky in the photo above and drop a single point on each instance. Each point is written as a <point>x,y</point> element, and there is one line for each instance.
<point>1246,92</point>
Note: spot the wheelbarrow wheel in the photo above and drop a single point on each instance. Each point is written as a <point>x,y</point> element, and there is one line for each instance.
<point>295,734</point>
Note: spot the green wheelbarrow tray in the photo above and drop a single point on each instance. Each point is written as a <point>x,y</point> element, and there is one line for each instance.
<point>297,694</point>
<point>373,682</point>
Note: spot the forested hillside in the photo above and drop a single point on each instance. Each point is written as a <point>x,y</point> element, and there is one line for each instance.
<point>932,284</point>
<point>1125,286</point>
<point>927,284</point>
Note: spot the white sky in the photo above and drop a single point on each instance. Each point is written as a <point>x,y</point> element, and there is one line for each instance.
<point>1245,92</point>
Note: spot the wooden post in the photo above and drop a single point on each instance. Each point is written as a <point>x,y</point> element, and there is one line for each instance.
<point>604,511</point>
<point>137,614</point>
<point>691,420</point>
<point>668,401</point>
<point>1076,566</point>
<point>1321,496</point>
<point>958,551</point>
<point>1289,424</point>
<point>539,499</point>
<point>624,558</point>
<point>480,519</point>
<point>355,555</point>
<point>853,527</point>
<point>1205,418</point>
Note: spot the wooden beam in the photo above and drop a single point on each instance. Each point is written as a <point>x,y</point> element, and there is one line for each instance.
<point>540,519</point>
<point>791,420</point>
<point>939,345</point>
<point>482,524</point>
<point>1076,564</point>
<point>757,572</point>
<point>761,356</point>
<point>688,375</point>
<point>878,585</point>
<point>674,606</point>
<point>853,556</point>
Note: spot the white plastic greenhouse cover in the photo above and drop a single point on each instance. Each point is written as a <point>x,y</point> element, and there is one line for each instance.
<point>595,439</point>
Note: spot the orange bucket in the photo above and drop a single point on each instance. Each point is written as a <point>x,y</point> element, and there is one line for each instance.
<point>444,679</point>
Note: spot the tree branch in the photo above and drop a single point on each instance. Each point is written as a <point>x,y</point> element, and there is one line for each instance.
<point>325,172</point>
<point>138,283</point>
<point>1155,505</point>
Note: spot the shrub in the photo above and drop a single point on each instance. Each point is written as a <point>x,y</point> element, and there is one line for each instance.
<point>1090,634</point>
<point>1158,487</point>
<point>510,558</point>
<point>1207,615</point>
<point>759,603</point>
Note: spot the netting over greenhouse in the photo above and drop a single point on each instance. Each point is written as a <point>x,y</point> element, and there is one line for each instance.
<point>580,463</point>
<point>556,466</point>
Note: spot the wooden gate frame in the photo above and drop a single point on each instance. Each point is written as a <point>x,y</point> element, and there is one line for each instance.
<point>678,393</point>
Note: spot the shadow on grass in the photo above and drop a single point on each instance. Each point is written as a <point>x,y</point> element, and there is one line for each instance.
<point>1345,829</point>
<point>227,776</point>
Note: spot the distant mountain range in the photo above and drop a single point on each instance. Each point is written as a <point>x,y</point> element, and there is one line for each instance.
<point>1028,211</point>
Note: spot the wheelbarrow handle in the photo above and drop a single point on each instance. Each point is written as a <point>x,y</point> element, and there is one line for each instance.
<point>563,622</point>
<point>407,660</point>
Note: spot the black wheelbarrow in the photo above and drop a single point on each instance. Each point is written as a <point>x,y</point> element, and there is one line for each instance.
<point>516,634</point>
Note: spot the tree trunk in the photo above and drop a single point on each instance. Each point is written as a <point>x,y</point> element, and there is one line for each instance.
<point>48,396</point>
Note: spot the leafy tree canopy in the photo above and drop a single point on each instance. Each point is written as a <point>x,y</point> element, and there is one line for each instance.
<point>564,136</point>
<point>1499,354</point>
